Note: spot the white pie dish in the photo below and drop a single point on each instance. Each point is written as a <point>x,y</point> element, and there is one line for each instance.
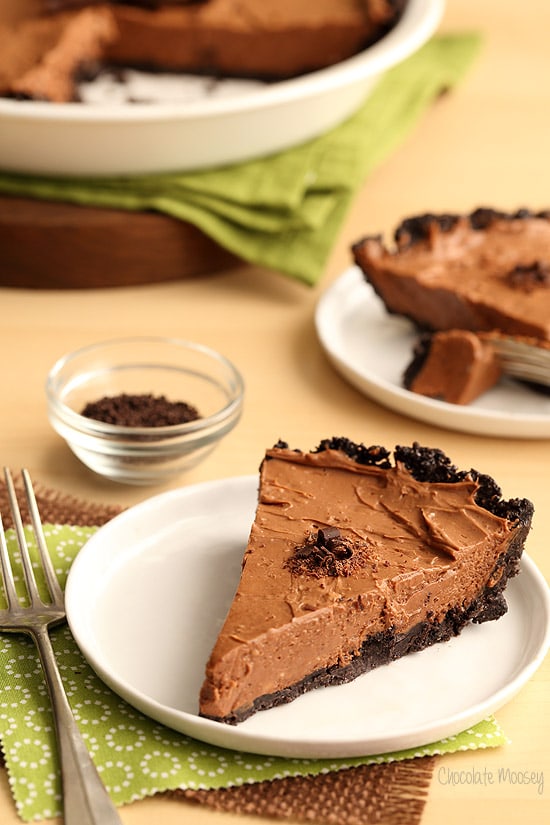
<point>106,139</point>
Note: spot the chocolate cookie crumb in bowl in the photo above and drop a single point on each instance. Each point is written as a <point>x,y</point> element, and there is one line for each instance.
<point>145,410</point>
<point>144,428</point>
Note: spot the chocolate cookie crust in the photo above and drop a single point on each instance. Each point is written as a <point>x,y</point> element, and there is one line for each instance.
<point>418,228</point>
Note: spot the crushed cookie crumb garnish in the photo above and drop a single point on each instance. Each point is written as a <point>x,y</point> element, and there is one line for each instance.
<point>327,553</point>
<point>140,410</point>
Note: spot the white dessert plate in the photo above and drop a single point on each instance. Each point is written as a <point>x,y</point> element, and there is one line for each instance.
<point>371,349</point>
<point>147,594</point>
<point>191,128</point>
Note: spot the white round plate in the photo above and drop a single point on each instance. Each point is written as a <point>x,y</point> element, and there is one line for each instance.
<point>147,594</point>
<point>247,122</point>
<point>371,349</point>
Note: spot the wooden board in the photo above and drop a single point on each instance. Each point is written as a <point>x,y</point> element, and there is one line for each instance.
<point>50,245</point>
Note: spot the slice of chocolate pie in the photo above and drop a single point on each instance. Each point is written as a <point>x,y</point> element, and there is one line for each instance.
<point>355,560</point>
<point>488,270</point>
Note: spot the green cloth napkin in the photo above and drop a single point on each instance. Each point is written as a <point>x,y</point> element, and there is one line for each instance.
<point>284,211</point>
<point>136,756</point>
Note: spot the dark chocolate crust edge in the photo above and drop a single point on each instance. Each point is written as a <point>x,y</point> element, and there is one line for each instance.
<point>388,646</point>
<point>420,354</point>
<point>418,227</point>
<point>429,465</point>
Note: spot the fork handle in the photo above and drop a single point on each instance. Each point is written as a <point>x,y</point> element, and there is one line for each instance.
<point>85,799</point>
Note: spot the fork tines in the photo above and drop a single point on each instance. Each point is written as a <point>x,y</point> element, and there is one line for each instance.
<point>525,358</point>
<point>54,588</point>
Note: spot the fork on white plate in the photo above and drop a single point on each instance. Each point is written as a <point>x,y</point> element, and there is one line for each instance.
<point>522,358</point>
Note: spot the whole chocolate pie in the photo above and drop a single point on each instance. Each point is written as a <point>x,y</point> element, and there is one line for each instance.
<point>45,57</point>
<point>354,560</point>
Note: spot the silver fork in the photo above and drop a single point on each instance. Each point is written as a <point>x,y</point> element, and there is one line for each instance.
<point>85,799</point>
<point>521,359</point>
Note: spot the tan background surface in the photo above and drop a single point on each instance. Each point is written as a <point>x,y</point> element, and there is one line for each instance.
<point>486,144</point>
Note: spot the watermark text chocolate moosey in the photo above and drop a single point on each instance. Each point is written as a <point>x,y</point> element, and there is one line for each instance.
<point>483,777</point>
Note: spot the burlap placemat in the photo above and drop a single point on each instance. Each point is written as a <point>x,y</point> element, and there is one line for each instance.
<point>392,794</point>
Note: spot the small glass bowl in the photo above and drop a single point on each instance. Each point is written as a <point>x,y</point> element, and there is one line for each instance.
<point>179,370</point>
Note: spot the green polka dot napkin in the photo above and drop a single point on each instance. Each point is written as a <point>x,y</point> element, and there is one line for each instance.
<point>136,756</point>
<point>284,211</point>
